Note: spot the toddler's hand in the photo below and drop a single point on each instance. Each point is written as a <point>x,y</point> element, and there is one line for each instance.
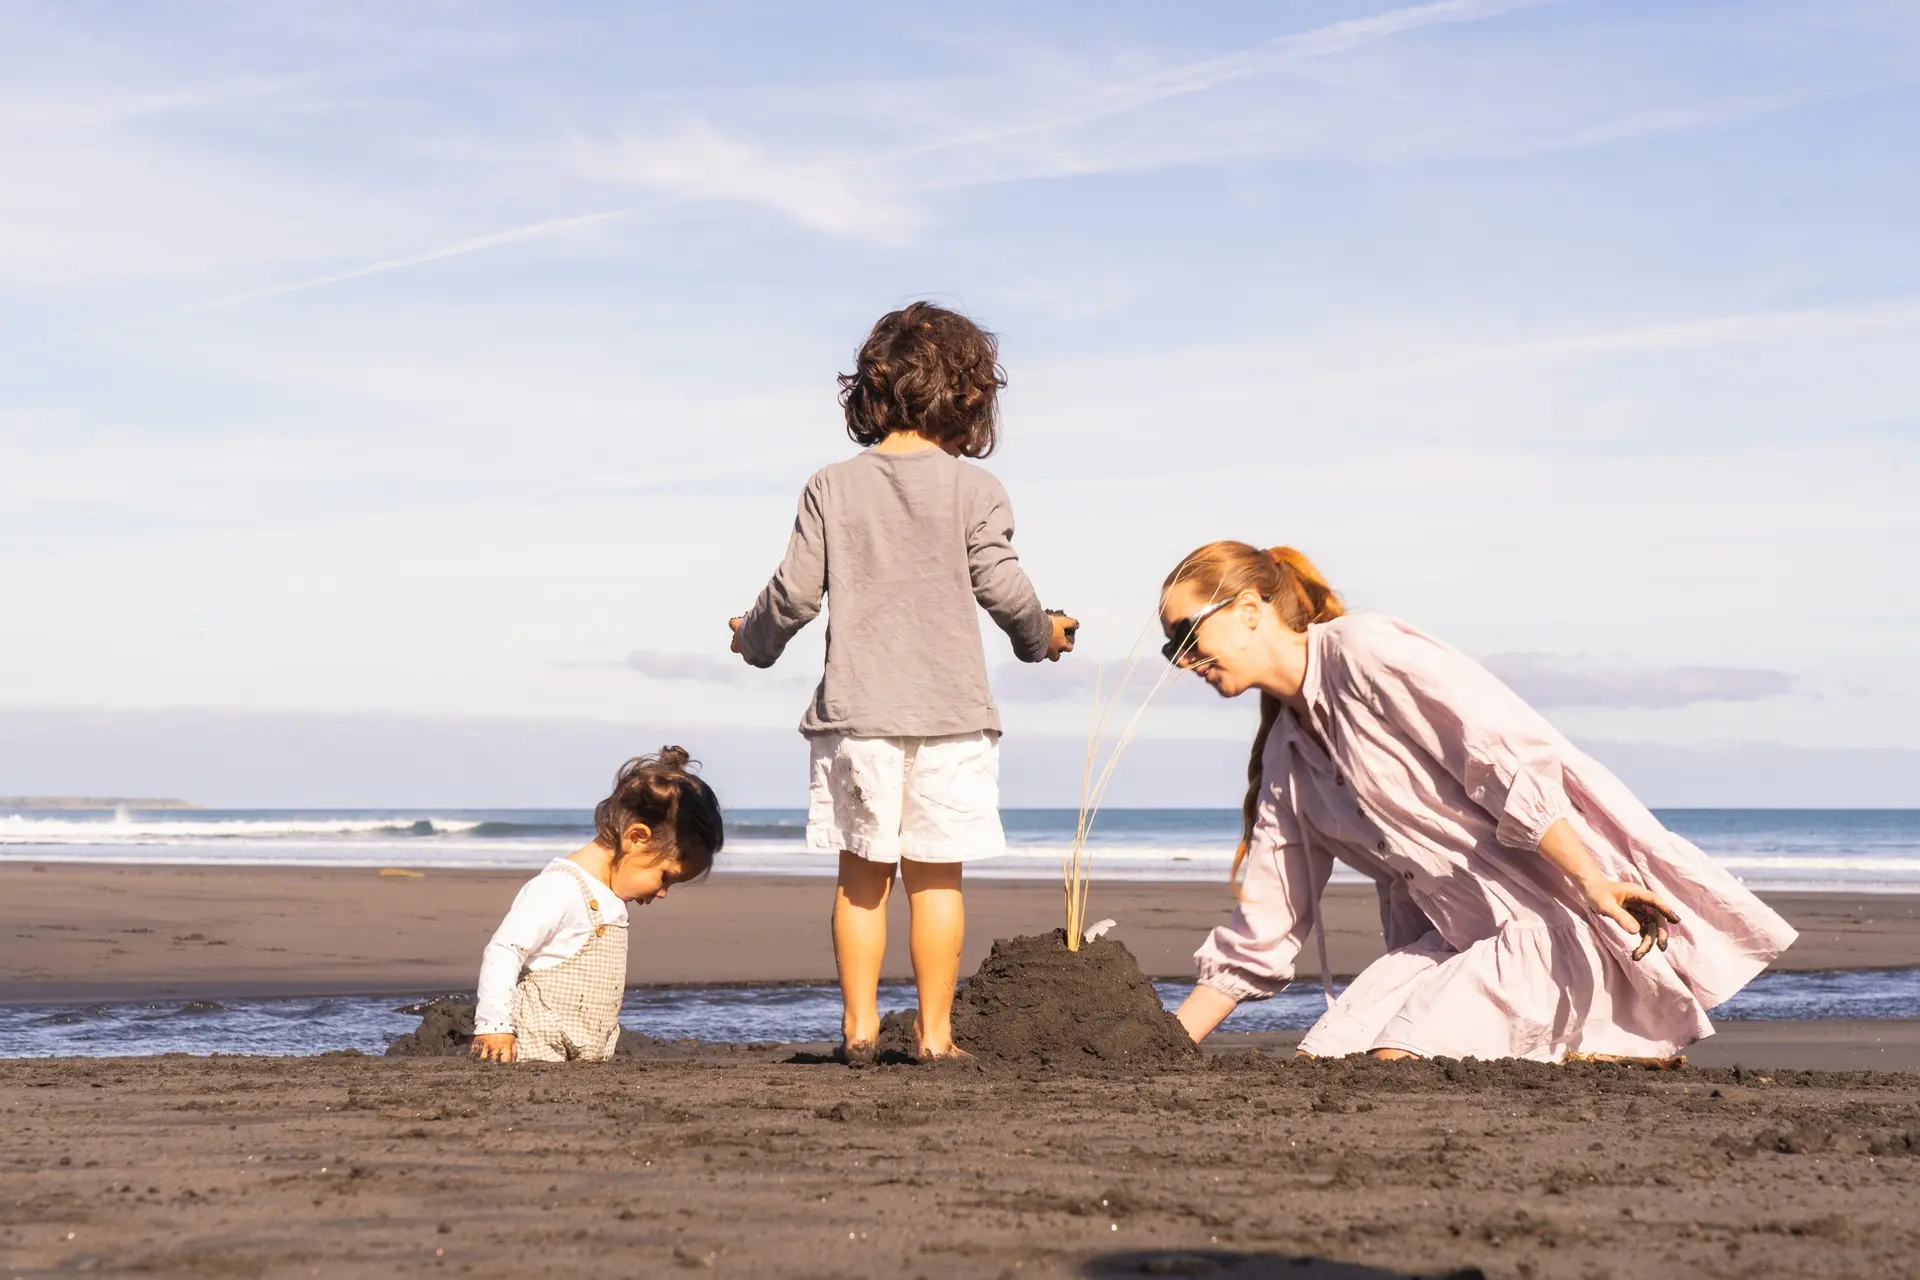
<point>1063,634</point>
<point>734,623</point>
<point>499,1047</point>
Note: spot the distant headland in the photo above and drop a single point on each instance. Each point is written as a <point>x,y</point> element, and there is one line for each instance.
<point>92,802</point>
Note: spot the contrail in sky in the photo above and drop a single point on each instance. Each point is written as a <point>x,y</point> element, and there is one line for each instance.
<point>1198,77</point>
<point>460,248</point>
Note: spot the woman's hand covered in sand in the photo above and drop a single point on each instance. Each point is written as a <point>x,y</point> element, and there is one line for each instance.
<point>1063,635</point>
<point>501,1047</point>
<point>1634,909</point>
<point>734,623</point>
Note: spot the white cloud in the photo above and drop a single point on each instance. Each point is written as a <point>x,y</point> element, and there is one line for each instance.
<point>1549,681</point>
<point>706,668</point>
<point>884,188</point>
<point>842,158</point>
<point>694,161</point>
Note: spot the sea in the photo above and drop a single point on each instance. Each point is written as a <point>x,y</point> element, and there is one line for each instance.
<point>1857,850</point>
<point>786,1014</point>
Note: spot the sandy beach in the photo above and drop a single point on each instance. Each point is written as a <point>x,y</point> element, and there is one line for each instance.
<point>1801,1160</point>
<point>150,933</point>
<point>734,1163</point>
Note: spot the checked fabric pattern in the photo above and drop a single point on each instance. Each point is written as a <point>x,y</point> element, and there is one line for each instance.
<point>572,1011</point>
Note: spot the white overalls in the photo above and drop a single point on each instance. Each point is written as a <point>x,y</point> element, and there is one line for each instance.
<point>572,1010</point>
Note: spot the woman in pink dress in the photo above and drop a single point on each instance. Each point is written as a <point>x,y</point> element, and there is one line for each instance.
<point>1532,907</point>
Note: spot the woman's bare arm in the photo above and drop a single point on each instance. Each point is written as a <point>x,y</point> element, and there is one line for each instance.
<point>1203,1010</point>
<point>1633,908</point>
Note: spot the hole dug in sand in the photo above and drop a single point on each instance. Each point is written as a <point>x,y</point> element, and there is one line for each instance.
<point>1032,1003</point>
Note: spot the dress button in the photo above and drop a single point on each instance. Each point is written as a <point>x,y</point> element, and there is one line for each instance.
<point>1409,875</point>
<point>1381,847</point>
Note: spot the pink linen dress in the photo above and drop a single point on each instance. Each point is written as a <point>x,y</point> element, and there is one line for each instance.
<point>1440,783</point>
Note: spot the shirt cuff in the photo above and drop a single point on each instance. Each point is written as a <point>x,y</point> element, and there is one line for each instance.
<point>1237,985</point>
<point>492,1028</point>
<point>1531,809</point>
<point>1040,638</point>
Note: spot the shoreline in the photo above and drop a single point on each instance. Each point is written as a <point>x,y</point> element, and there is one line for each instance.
<point>78,933</point>
<point>1888,1046</point>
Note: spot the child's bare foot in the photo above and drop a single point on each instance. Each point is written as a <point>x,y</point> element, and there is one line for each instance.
<point>857,1053</point>
<point>930,1049</point>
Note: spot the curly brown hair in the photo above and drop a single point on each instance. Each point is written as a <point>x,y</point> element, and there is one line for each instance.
<point>926,369</point>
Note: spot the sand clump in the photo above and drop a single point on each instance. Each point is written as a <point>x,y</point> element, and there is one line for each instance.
<point>1034,1003</point>
<point>445,1030</point>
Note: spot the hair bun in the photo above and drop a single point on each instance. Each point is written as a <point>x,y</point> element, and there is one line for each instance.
<point>674,757</point>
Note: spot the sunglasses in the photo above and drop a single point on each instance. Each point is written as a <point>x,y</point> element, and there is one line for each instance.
<point>1180,634</point>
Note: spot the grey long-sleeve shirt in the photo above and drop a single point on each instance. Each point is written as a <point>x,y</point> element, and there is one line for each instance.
<point>904,545</point>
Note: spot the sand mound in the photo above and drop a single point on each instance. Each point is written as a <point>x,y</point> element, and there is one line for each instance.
<point>899,1039</point>
<point>1034,1003</point>
<point>445,1030</point>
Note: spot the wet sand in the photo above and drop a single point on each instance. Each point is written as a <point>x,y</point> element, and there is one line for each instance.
<point>71,933</point>
<point>1828,1044</point>
<point>734,1164</point>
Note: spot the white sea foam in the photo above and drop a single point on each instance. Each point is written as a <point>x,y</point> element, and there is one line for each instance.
<point>126,829</point>
<point>1858,851</point>
<point>1887,864</point>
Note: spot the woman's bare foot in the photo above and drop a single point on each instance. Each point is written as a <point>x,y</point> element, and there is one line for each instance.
<point>1672,1063</point>
<point>951,1053</point>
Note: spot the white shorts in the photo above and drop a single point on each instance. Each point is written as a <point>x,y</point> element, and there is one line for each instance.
<point>925,799</point>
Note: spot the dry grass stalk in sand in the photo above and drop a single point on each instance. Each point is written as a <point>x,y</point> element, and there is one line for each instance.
<point>1076,869</point>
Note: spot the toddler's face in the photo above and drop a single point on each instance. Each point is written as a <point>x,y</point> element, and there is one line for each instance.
<point>640,882</point>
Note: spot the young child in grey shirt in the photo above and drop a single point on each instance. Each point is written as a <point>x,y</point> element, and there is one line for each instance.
<point>906,539</point>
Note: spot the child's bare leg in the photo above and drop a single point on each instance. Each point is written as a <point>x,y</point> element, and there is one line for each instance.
<point>860,942</point>
<point>938,927</point>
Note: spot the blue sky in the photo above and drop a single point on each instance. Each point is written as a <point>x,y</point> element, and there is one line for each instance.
<point>464,360</point>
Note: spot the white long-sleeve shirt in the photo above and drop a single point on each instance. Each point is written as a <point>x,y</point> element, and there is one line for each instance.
<point>547,924</point>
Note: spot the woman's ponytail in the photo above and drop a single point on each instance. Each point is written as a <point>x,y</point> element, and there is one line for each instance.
<point>1302,580</point>
<point>1250,807</point>
<point>1300,596</point>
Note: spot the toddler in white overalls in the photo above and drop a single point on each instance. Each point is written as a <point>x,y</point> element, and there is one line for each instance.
<point>553,977</point>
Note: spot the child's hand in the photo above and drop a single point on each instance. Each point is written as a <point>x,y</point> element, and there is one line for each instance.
<point>499,1047</point>
<point>1063,634</point>
<point>735,624</point>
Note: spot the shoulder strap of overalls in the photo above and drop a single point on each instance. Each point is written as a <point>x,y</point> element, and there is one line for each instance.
<point>589,892</point>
